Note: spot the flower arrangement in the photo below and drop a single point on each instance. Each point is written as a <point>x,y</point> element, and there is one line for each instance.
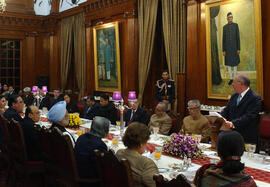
<point>74,120</point>
<point>183,146</point>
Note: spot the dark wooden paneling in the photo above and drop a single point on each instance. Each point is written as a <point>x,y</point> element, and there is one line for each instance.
<point>21,6</point>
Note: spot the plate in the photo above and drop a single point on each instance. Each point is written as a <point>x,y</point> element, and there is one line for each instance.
<point>175,166</point>
<point>173,175</point>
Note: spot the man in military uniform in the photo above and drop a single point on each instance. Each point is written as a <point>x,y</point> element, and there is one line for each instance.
<point>231,46</point>
<point>165,90</point>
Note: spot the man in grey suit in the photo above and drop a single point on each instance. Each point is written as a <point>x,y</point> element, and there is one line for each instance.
<point>231,46</point>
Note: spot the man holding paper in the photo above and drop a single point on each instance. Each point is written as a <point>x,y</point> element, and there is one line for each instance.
<point>242,110</point>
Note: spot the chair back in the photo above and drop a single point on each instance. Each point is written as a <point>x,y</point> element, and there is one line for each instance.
<point>265,128</point>
<point>114,172</point>
<point>5,133</point>
<point>180,180</point>
<point>17,146</point>
<point>63,154</point>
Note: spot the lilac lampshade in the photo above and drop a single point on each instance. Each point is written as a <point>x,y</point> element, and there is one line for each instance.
<point>116,96</point>
<point>34,89</point>
<point>132,96</point>
<point>44,89</point>
<point>0,86</point>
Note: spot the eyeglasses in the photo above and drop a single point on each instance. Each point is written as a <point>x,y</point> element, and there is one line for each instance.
<point>191,109</point>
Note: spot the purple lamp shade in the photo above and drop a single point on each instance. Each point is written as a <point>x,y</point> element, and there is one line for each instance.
<point>132,96</point>
<point>34,89</point>
<point>0,86</point>
<point>44,89</point>
<point>116,96</point>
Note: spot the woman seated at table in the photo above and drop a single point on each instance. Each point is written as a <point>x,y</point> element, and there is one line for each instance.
<point>229,171</point>
<point>143,168</point>
<point>3,102</point>
<point>71,105</point>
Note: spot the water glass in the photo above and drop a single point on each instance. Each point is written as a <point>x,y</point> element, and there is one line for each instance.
<point>118,124</point>
<point>155,131</point>
<point>157,153</point>
<point>252,149</point>
<point>198,137</point>
<point>115,140</point>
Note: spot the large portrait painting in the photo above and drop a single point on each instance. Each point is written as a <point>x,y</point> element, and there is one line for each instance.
<point>234,45</point>
<point>107,57</point>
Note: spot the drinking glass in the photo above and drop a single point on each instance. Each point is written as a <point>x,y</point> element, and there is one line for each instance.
<point>115,140</point>
<point>252,149</point>
<point>157,153</point>
<point>79,132</point>
<point>118,124</point>
<point>198,137</point>
<point>155,131</point>
<point>45,110</point>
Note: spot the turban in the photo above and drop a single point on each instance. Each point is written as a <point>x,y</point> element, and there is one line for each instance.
<point>27,89</point>
<point>100,127</point>
<point>57,112</point>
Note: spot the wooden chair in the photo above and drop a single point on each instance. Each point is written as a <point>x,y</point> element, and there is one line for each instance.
<point>264,133</point>
<point>24,171</point>
<point>114,172</point>
<point>65,165</point>
<point>5,134</point>
<point>180,180</point>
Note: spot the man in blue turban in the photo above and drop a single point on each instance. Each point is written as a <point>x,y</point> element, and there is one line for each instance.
<point>59,117</point>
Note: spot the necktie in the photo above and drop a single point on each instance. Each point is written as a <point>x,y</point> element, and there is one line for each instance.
<point>132,115</point>
<point>238,99</point>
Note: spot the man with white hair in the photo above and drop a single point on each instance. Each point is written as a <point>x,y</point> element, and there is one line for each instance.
<point>161,119</point>
<point>195,122</point>
<point>87,143</point>
<point>135,113</point>
<point>58,115</point>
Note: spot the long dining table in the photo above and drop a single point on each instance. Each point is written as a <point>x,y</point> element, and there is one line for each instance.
<point>254,164</point>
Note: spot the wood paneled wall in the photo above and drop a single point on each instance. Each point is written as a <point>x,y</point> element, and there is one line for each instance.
<point>196,54</point>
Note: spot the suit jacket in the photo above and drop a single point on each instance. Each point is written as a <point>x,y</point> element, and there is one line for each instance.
<point>84,154</point>
<point>56,100</point>
<point>245,116</point>
<point>72,107</point>
<point>8,95</point>
<point>28,99</point>
<point>11,113</point>
<point>142,168</point>
<point>139,116</point>
<point>90,114</point>
<point>164,123</point>
<point>45,102</point>
<point>109,112</point>
<point>32,141</point>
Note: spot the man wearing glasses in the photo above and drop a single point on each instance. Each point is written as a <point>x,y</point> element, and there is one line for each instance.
<point>16,105</point>
<point>231,46</point>
<point>196,123</point>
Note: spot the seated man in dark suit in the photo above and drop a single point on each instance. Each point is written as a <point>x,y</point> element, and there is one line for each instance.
<point>10,92</point>
<point>106,109</point>
<point>242,110</point>
<point>57,96</point>
<point>32,142</point>
<point>16,105</point>
<point>136,113</point>
<point>87,143</point>
<point>44,100</point>
<point>90,104</point>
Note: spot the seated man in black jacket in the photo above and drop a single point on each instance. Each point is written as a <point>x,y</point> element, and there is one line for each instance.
<point>87,143</point>
<point>32,141</point>
<point>105,109</point>
<point>136,113</point>
<point>44,100</point>
<point>16,105</point>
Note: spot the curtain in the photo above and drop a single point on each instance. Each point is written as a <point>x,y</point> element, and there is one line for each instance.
<point>147,16</point>
<point>216,77</point>
<point>79,52</point>
<point>174,31</point>
<point>66,48</point>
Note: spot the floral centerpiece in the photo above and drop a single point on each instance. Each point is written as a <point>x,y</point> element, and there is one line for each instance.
<point>183,146</point>
<point>74,121</point>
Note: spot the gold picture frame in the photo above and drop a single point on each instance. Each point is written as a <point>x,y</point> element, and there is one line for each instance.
<point>247,14</point>
<point>107,57</point>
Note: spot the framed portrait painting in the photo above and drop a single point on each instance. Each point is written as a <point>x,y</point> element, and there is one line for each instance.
<point>233,45</point>
<point>107,57</point>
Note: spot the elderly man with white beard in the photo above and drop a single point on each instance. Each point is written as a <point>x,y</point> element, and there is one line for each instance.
<point>59,117</point>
